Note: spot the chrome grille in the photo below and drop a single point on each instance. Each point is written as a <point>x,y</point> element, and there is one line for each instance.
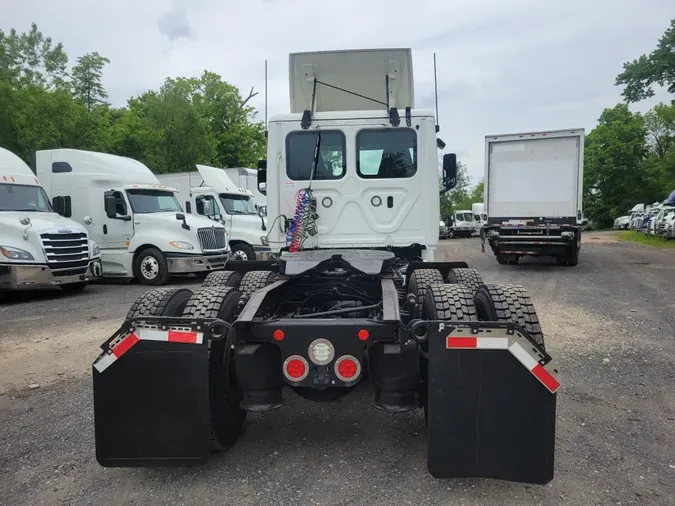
<point>211,238</point>
<point>67,253</point>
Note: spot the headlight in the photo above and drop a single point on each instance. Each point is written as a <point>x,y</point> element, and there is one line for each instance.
<point>95,251</point>
<point>15,253</point>
<point>181,245</point>
<point>264,241</point>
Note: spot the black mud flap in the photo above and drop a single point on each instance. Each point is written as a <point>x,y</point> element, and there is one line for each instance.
<point>151,397</point>
<point>491,404</point>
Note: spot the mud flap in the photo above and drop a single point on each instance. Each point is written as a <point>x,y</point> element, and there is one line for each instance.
<point>151,398</point>
<point>491,404</point>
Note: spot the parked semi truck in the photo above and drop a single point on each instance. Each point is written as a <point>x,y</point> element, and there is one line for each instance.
<point>479,215</point>
<point>533,195</point>
<point>38,248</point>
<point>138,223</point>
<point>209,192</point>
<point>355,296</point>
<point>247,178</point>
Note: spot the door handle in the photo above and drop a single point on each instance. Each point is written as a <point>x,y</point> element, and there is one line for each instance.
<point>390,201</point>
<point>105,229</point>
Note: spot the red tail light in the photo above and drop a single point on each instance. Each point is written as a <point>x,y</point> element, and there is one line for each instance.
<point>295,368</point>
<point>347,368</point>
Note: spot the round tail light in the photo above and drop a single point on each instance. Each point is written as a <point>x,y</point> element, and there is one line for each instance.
<point>321,352</point>
<point>295,368</point>
<point>347,368</point>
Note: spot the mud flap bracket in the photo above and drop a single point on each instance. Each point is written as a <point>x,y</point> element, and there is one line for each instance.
<point>491,403</point>
<point>151,396</point>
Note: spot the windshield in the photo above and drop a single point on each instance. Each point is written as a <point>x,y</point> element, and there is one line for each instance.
<point>153,201</point>
<point>464,216</point>
<point>237,204</point>
<point>19,197</point>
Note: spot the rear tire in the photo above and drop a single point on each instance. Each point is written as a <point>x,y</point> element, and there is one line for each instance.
<point>509,303</point>
<point>465,276</point>
<point>444,302</point>
<point>420,281</point>
<point>160,302</point>
<point>573,258</point>
<point>256,280</point>
<point>222,278</point>
<point>227,417</point>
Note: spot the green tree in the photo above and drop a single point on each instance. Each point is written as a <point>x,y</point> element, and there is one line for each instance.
<point>87,75</point>
<point>660,163</point>
<point>614,172</point>
<point>30,58</point>
<point>44,119</point>
<point>658,67</point>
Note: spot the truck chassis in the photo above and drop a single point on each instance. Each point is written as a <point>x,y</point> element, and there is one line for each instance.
<point>510,240</point>
<point>318,323</point>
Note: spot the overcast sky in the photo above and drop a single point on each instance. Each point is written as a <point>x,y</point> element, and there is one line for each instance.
<point>503,65</point>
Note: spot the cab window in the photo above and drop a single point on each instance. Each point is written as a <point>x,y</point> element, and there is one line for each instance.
<point>207,206</point>
<point>386,153</point>
<point>300,148</point>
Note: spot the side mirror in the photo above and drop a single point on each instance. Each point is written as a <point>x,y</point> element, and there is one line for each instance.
<point>110,205</point>
<point>449,172</point>
<point>181,217</point>
<point>262,176</point>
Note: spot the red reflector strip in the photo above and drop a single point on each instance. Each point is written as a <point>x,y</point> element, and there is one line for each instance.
<point>125,345</point>
<point>472,342</point>
<point>546,378</point>
<point>534,367</point>
<point>182,337</point>
<point>463,342</point>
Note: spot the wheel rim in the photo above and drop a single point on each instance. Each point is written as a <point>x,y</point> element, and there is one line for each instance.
<point>149,267</point>
<point>240,255</point>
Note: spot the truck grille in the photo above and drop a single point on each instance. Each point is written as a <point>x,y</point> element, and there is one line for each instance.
<point>67,254</point>
<point>211,238</point>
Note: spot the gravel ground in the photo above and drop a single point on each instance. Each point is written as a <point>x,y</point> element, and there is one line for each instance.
<point>609,323</point>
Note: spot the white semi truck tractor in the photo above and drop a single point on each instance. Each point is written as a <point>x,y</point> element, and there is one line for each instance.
<point>354,297</point>
<point>38,248</point>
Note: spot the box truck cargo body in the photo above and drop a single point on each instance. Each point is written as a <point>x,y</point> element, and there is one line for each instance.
<point>533,194</point>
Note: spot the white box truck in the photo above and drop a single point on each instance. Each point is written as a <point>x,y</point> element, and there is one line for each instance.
<point>139,225</point>
<point>211,193</point>
<point>533,195</point>
<point>39,248</point>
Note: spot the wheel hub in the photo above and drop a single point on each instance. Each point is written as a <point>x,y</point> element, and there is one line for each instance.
<point>150,267</point>
<point>240,255</point>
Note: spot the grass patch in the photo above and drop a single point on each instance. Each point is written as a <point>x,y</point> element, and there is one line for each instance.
<point>645,240</point>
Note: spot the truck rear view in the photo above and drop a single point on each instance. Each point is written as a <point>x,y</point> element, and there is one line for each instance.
<point>533,194</point>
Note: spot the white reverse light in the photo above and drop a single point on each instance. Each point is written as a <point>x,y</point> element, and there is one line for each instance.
<point>321,352</point>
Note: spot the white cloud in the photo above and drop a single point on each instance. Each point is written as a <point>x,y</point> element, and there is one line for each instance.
<point>502,66</point>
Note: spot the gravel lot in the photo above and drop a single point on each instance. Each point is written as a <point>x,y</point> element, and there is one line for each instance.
<point>609,323</point>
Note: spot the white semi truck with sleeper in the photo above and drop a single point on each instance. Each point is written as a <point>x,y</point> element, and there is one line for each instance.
<point>38,248</point>
<point>138,223</point>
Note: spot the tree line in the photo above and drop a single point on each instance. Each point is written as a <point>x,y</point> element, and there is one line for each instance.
<point>46,105</point>
<point>629,157</point>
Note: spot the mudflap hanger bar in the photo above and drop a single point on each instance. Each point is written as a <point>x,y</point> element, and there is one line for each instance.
<point>151,395</point>
<point>491,402</point>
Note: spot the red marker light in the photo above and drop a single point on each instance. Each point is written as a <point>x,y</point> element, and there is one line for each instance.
<point>295,368</point>
<point>363,334</point>
<point>278,335</point>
